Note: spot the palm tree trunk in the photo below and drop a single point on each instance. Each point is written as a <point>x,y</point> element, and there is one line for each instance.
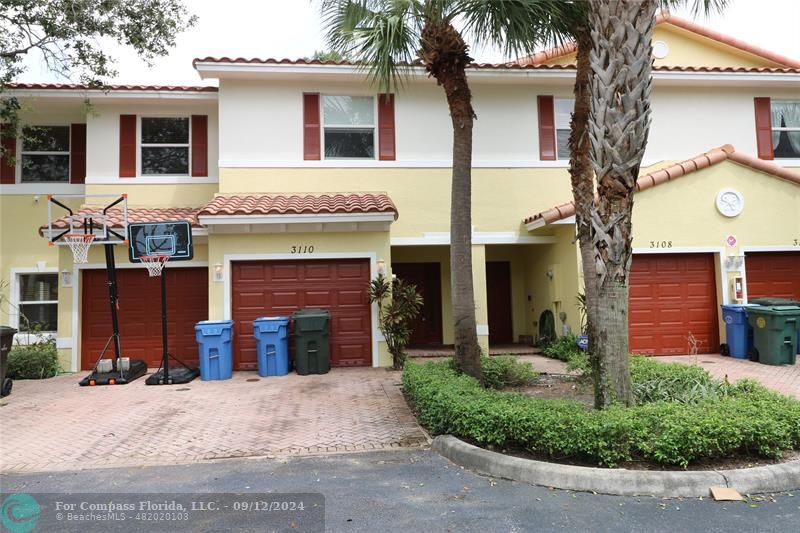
<point>445,56</point>
<point>582,178</point>
<point>619,124</point>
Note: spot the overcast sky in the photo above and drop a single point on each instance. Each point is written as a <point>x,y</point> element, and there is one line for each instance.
<point>292,28</point>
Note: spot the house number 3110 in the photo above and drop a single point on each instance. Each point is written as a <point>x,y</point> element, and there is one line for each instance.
<point>302,249</point>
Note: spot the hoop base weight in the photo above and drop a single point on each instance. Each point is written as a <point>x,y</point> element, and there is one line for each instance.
<point>137,369</point>
<point>177,376</point>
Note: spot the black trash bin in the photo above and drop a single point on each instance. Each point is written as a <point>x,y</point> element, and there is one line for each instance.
<point>6,340</point>
<point>312,353</point>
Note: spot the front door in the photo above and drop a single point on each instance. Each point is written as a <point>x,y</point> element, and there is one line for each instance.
<point>498,302</point>
<point>427,328</point>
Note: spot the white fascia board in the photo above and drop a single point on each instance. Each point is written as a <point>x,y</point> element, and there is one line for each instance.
<point>478,237</point>
<point>535,224</point>
<point>212,220</point>
<point>122,94</point>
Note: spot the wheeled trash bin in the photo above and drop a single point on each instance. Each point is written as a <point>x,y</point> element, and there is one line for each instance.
<point>738,333</point>
<point>214,339</point>
<point>6,341</point>
<point>312,341</point>
<point>779,301</point>
<point>775,333</point>
<point>272,345</point>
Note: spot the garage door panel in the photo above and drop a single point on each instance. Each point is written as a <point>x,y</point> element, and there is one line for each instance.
<point>681,297</point>
<point>139,313</point>
<point>775,274</point>
<point>339,286</point>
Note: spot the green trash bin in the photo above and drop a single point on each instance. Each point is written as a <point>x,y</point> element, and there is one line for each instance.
<point>775,333</point>
<point>779,301</point>
<point>312,352</point>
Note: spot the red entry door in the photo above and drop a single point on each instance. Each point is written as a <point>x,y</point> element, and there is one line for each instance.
<point>279,288</point>
<point>498,294</point>
<point>427,328</point>
<point>672,295</point>
<point>140,314</point>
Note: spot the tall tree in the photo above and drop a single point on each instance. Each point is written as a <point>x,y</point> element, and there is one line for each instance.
<point>74,38</point>
<point>573,23</point>
<point>387,36</point>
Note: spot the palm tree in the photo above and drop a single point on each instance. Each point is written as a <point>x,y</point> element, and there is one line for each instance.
<point>590,24</point>
<point>387,36</point>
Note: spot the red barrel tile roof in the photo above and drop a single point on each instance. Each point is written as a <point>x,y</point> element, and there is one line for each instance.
<point>677,170</point>
<point>299,204</point>
<point>85,87</point>
<point>135,214</point>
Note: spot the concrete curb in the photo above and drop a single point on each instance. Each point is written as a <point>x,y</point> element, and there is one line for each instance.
<point>616,481</point>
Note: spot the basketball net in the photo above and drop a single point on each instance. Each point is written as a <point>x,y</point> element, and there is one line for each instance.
<point>154,263</point>
<point>79,244</point>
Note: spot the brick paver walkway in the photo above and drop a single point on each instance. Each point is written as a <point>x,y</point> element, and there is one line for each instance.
<point>56,425</point>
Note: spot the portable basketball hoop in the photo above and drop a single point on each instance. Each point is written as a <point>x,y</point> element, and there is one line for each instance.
<point>154,263</point>
<point>79,244</point>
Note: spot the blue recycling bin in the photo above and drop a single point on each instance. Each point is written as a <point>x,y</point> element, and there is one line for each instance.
<point>214,339</point>
<point>272,345</point>
<point>738,333</point>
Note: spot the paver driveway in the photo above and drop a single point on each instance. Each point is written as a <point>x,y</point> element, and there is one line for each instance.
<point>56,425</point>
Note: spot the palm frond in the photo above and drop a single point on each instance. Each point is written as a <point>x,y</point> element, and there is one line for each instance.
<point>698,7</point>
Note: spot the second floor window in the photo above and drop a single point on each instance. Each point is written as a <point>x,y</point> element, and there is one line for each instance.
<point>786,129</point>
<point>45,154</point>
<point>563,112</point>
<point>165,146</point>
<point>348,124</point>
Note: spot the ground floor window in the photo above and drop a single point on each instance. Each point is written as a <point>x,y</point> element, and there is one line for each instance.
<point>38,302</point>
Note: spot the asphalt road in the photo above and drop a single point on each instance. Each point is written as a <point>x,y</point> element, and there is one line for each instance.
<point>413,491</point>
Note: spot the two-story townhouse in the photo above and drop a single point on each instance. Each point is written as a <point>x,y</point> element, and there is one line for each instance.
<point>303,182</point>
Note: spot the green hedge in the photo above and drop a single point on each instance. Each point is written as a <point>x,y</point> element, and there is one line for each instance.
<point>504,371</point>
<point>34,361</point>
<point>749,419</point>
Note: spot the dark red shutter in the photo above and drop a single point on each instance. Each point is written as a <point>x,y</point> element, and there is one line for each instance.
<point>127,146</point>
<point>764,128</point>
<point>386,145</point>
<point>199,145</point>
<point>311,132</point>
<point>8,168</point>
<point>547,128</point>
<point>77,154</point>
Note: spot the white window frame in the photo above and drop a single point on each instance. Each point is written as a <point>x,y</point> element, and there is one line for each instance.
<point>22,153</point>
<point>560,157</point>
<point>374,127</point>
<point>15,300</point>
<point>141,145</point>
<point>779,128</point>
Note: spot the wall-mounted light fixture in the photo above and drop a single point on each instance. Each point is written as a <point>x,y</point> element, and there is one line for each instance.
<point>66,278</point>
<point>381,264</point>
<point>218,270</point>
<point>549,274</point>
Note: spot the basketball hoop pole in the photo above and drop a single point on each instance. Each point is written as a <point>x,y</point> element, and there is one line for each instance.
<point>113,298</point>
<point>165,356</point>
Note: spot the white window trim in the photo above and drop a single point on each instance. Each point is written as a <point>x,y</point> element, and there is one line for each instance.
<point>140,145</point>
<point>374,127</point>
<point>14,302</point>
<point>556,128</point>
<point>778,128</point>
<point>21,152</point>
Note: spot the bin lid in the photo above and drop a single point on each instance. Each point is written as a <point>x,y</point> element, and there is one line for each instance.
<point>775,301</point>
<point>778,310</point>
<point>272,319</point>
<point>7,330</point>
<point>214,323</point>
<point>738,307</point>
<point>311,312</point>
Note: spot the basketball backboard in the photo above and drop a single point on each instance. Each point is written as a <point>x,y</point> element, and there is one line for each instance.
<point>171,238</point>
<point>102,216</point>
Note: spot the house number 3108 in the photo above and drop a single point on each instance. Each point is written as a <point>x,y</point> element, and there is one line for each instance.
<point>302,249</point>
<point>660,244</point>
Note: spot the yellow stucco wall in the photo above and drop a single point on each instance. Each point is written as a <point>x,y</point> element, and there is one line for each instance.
<point>222,247</point>
<point>502,197</point>
<point>690,49</point>
<point>167,195</point>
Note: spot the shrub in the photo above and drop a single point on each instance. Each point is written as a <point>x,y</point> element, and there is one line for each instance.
<point>506,371</point>
<point>749,419</point>
<point>33,361</point>
<point>654,381</point>
<point>564,348</point>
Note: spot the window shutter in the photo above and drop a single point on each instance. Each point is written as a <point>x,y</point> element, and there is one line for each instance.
<point>127,146</point>
<point>77,154</point>
<point>8,168</point>
<point>547,128</point>
<point>311,128</point>
<point>386,144</point>
<point>764,128</point>
<point>199,146</point>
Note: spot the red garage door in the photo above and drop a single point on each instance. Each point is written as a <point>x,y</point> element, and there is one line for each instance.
<point>270,288</point>
<point>774,274</point>
<point>140,313</point>
<point>672,295</point>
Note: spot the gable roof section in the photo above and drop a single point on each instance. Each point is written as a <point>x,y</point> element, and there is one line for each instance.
<point>672,172</point>
<point>309,204</point>
<point>566,49</point>
<point>112,88</point>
